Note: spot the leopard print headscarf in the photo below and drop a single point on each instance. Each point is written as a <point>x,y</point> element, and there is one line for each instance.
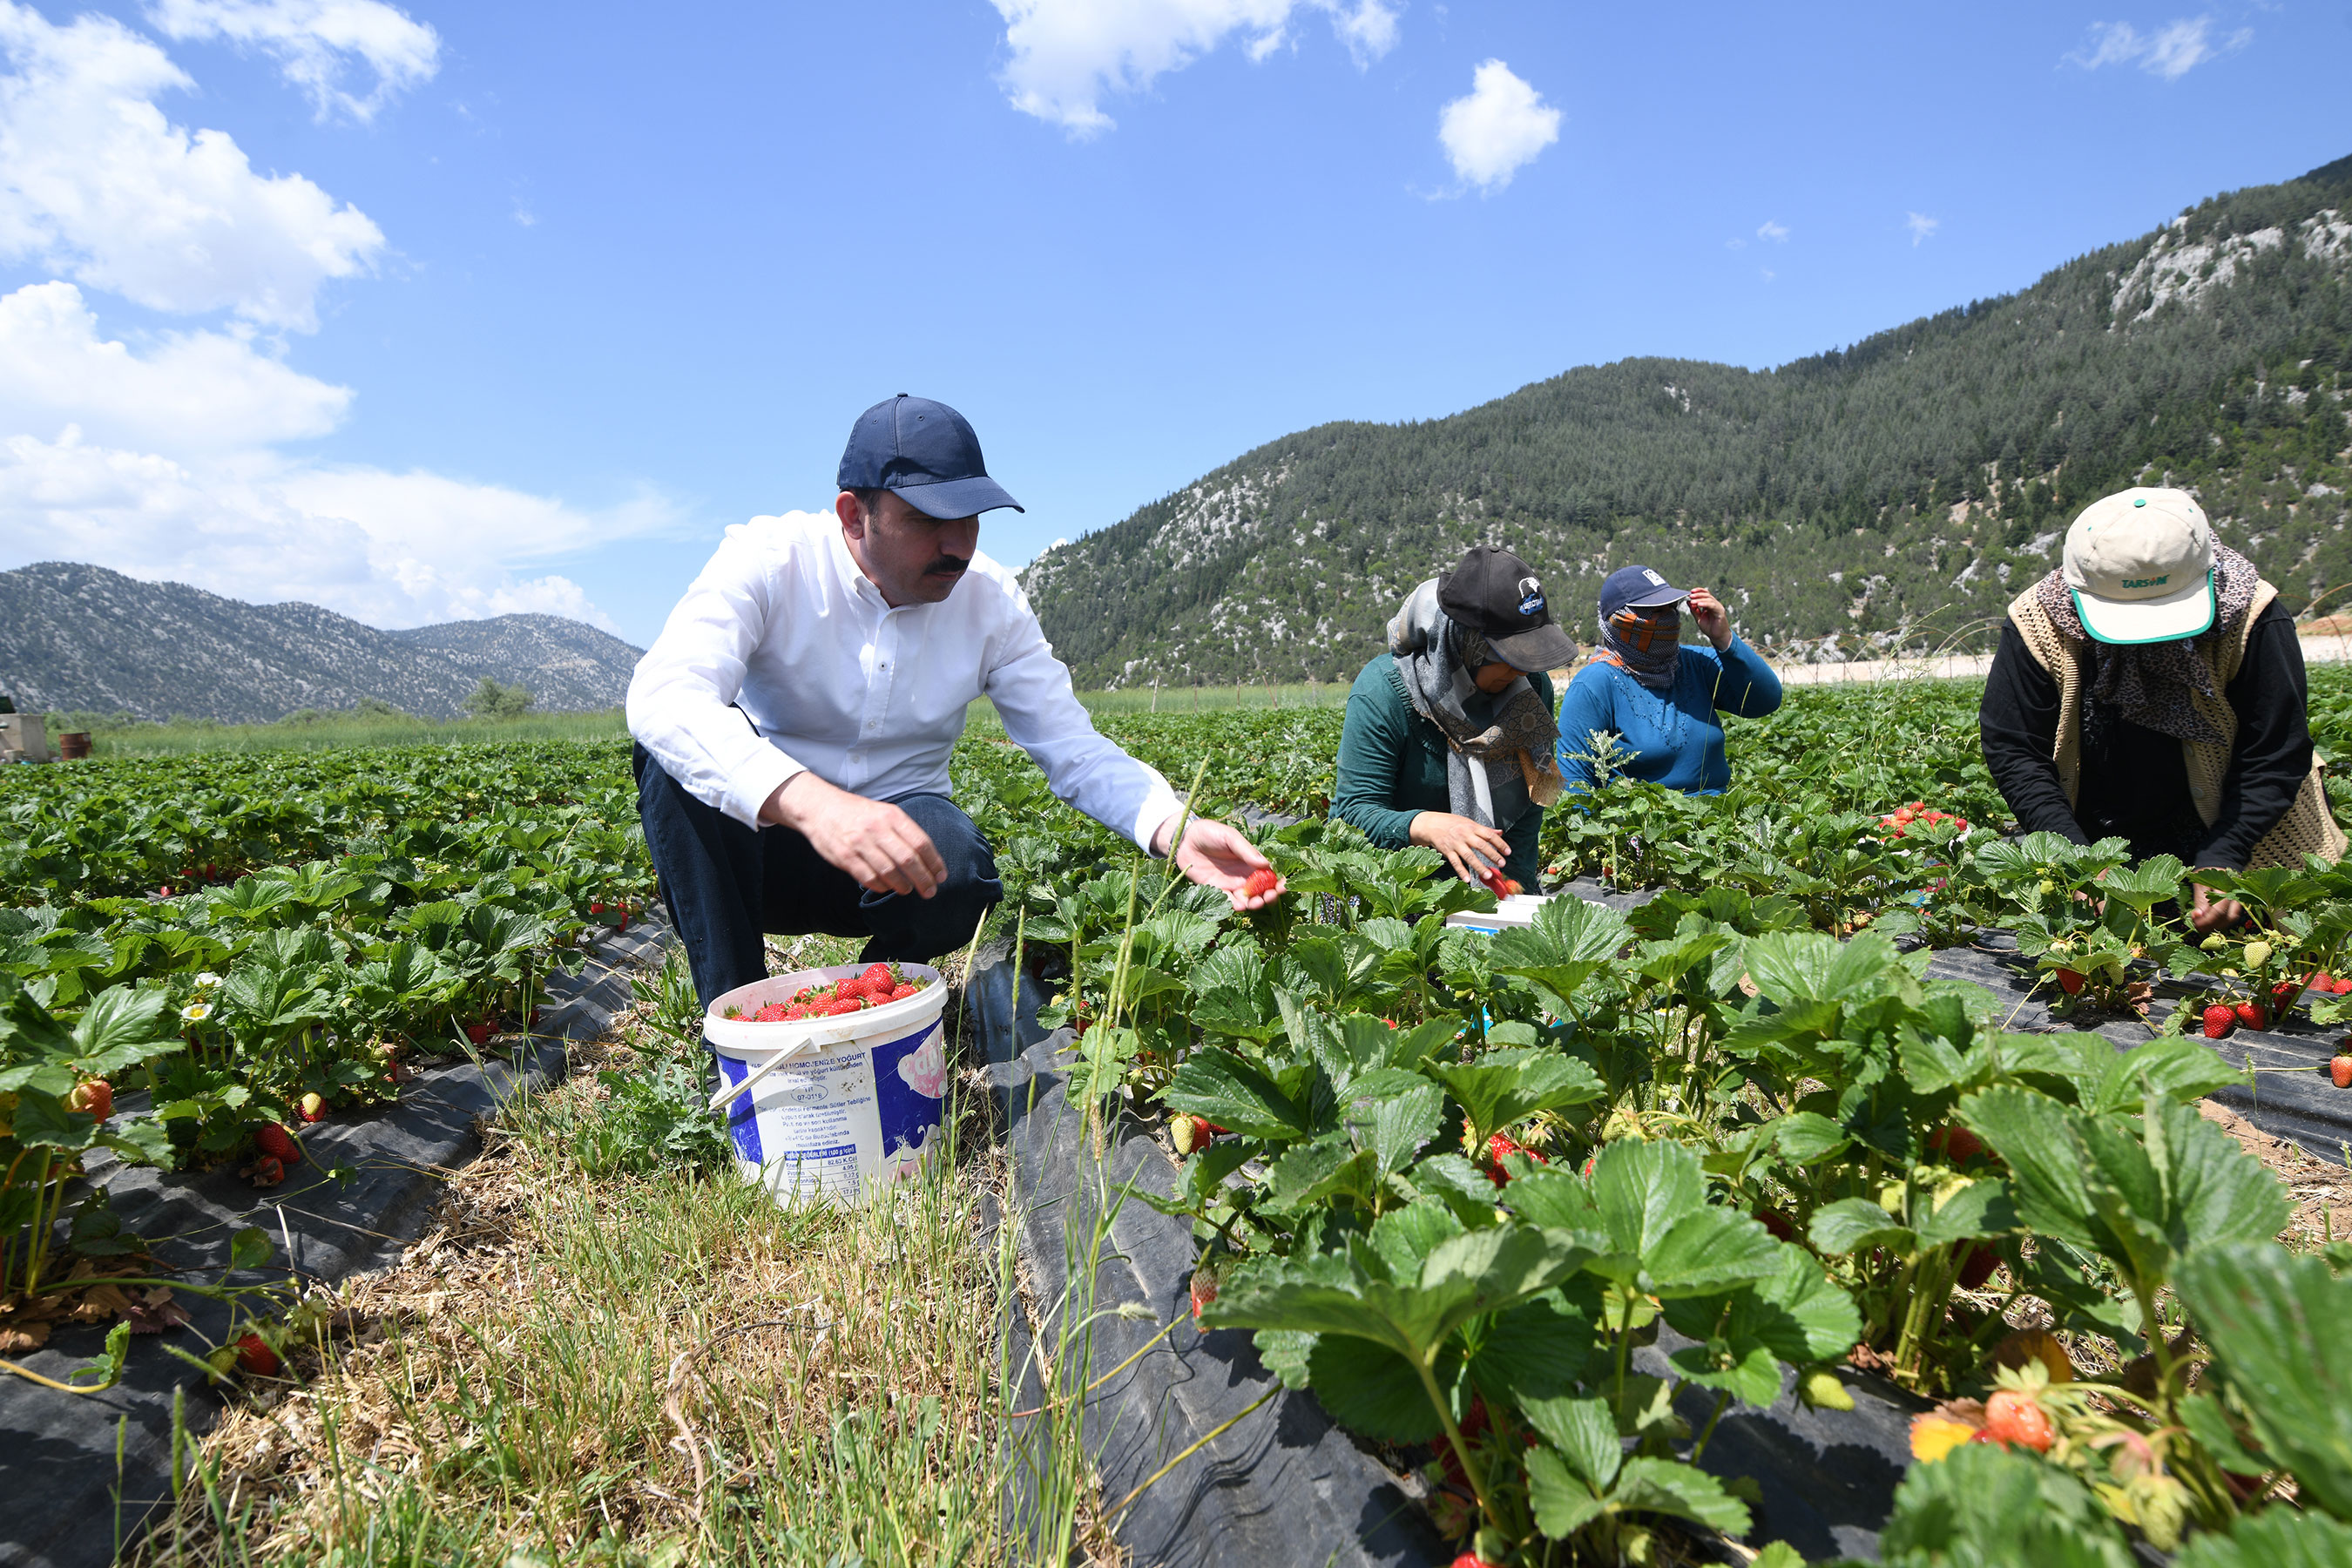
<point>2151,683</point>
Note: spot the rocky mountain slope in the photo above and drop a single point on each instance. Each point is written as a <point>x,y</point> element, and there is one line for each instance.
<point>1899,491</point>
<point>83,638</point>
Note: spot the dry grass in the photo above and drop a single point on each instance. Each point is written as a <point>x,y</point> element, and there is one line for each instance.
<point>576,1365</point>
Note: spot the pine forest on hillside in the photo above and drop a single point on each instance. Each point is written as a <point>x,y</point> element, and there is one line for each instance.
<point>1899,491</point>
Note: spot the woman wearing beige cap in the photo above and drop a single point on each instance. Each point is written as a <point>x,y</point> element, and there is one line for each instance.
<point>2152,689</point>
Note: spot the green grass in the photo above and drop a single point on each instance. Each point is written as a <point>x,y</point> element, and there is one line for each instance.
<point>613,1352</point>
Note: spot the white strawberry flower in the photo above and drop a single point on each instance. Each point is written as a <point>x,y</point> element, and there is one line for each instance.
<point>196,1012</point>
<point>207,980</point>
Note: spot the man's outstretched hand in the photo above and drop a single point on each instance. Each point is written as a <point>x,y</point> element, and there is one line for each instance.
<point>1216,856</point>
<point>874,841</point>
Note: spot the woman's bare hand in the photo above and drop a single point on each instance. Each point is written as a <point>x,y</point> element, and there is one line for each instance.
<point>1712,618</point>
<point>1467,847</point>
<point>2209,913</point>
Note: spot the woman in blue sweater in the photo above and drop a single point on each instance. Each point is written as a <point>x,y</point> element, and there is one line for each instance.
<point>1661,701</point>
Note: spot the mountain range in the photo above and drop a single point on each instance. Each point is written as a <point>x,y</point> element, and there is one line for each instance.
<point>1899,491</point>
<point>77,638</point>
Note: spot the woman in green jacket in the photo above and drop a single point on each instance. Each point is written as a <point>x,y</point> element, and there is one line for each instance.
<point>1450,740</point>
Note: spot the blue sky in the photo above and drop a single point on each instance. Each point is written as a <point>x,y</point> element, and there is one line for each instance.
<point>437,310</point>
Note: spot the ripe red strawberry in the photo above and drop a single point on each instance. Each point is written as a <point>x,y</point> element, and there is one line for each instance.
<point>2013,1417</point>
<point>1782,1227</point>
<point>1512,888</point>
<point>595,906</point>
<point>773,1013</point>
<point>842,1007</point>
<point>852,987</point>
<point>1977,1263</point>
<point>903,990</point>
<point>278,1143</point>
<point>798,1010</point>
<point>268,1171</point>
<point>254,1356</point>
<point>1260,882</point>
<point>92,1096</point>
<point>1469,1559</point>
<point>2250,1015</point>
<point>1956,1143</point>
<point>1205,1290</point>
<point>1503,1144</point>
<point>478,1033</point>
<point>2339,1068</point>
<point>2220,1019</point>
<point>314,1107</point>
<point>2069,981</point>
<point>880,972</point>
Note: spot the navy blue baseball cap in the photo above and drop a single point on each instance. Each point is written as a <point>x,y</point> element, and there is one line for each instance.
<point>1637,587</point>
<point>927,453</point>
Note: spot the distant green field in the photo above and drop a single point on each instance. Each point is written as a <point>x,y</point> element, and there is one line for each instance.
<point>337,730</point>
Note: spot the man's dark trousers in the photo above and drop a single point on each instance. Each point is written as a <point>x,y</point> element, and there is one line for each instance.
<point>726,885</point>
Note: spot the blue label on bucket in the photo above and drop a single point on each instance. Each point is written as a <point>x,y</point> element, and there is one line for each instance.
<point>840,1115</point>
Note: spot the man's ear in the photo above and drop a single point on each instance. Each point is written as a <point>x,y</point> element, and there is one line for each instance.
<point>852,515</point>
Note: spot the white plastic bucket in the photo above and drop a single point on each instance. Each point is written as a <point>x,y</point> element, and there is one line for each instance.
<point>858,1101</point>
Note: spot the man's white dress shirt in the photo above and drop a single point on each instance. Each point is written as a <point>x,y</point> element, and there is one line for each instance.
<point>783,625</point>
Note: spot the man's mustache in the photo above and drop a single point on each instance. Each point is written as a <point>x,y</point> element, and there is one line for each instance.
<point>946,566</point>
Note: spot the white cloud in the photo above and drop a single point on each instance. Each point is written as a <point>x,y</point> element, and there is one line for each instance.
<point>1767,229</point>
<point>2171,52</point>
<point>314,41</point>
<point>1069,55</point>
<point>164,460</point>
<point>190,392</point>
<point>96,183</point>
<point>1921,226</point>
<point>1498,129</point>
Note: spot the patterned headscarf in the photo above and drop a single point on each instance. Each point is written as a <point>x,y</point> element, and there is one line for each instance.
<point>2151,683</point>
<point>1647,643</point>
<point>1493,774</point>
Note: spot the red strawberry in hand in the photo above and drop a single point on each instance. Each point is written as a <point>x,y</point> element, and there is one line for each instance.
<point>1261,882</point>
<point>2220,1019</point>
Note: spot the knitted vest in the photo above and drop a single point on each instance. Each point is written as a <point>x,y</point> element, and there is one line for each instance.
<point>2309,824</point>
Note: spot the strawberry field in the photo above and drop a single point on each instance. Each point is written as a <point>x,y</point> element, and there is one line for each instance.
<point>1818,1091</point>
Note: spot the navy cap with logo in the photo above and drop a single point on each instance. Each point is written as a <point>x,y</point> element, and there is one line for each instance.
<point>1493,593</point>
<point>1638,588</point>
<point>927,453</point>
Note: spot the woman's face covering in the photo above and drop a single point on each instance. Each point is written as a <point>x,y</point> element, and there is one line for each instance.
<point>1491,679</point>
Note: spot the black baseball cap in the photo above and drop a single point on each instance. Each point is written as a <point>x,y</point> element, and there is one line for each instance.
<point>926,453</point>
<point>1493,593</point>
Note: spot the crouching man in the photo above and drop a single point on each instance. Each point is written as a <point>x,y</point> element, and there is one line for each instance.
<point>793,718</point>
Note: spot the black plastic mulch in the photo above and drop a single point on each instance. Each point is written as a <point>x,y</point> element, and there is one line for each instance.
<point>70,1504</point>
<point>1283,1484</point>
<point>2292,1097</point>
